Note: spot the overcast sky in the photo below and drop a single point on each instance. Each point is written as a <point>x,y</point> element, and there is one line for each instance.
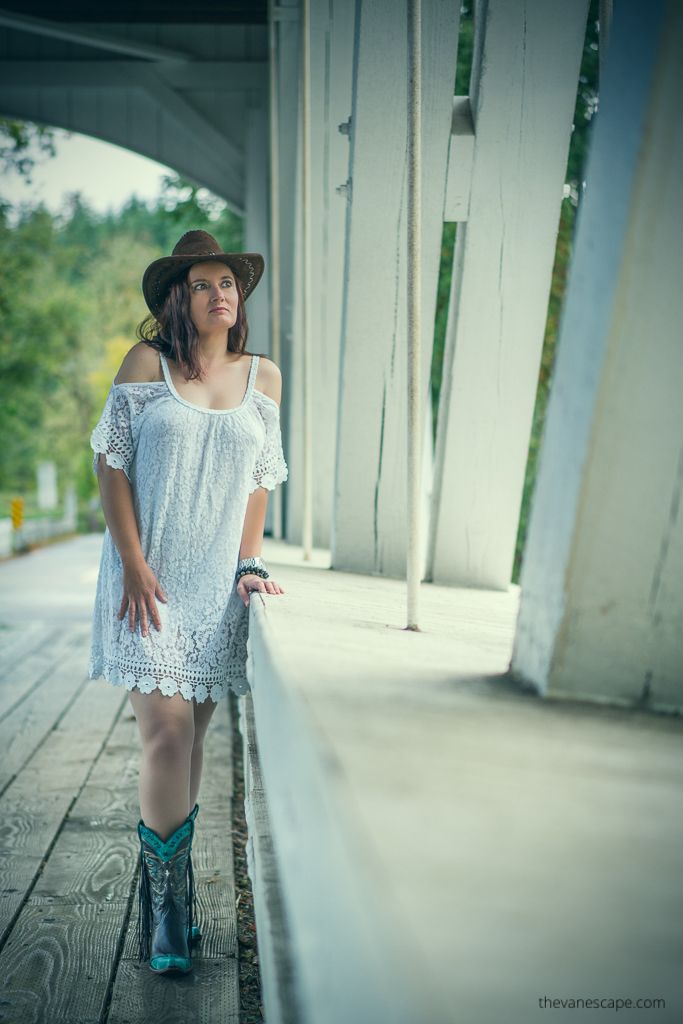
<point>105,175</point>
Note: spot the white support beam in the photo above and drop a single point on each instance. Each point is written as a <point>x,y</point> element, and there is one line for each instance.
<point>602,582</point>
<point>256,226</point>
<point>231,76</point>
<point>288,46</point>
<point>220,150</point>
<point>331,31</point>
<point>370,491</point>
<point>87,37</point>
<point>116,75</point>
<point>527,59</point>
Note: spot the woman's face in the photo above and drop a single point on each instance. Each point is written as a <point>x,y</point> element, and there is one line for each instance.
<point>213,296</point>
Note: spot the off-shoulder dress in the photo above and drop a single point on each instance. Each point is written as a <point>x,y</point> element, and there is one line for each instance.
<point>191,472</point>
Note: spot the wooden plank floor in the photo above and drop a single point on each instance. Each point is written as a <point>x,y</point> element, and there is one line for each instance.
<point>69,755</point>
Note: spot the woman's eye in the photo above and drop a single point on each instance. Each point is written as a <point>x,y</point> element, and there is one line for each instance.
<point>197,287</point>
<point>227,283</point>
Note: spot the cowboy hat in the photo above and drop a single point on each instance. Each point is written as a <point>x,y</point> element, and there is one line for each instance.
<point>197,247</point>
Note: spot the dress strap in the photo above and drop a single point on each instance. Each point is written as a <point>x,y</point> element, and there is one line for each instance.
<point>252,375</point>
<point>164,366</point>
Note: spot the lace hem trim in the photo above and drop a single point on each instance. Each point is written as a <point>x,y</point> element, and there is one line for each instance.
<point>270,480</point>
<point>131,678</point>
<point>114,460</point>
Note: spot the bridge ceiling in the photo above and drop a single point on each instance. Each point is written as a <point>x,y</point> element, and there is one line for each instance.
<point>177,12</point>
<point>177,93</point>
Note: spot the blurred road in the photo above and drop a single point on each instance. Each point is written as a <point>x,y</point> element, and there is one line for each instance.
<point>53,584</point>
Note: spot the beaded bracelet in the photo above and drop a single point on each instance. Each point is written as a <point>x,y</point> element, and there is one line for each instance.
<point>253,563</point>
<point>251,572</point>
<point>251,567</point>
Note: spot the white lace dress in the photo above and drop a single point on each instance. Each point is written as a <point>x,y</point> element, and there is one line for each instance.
<point>191,472</point>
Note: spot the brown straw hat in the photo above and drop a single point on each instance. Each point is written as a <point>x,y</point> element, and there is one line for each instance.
<point>197,247</point>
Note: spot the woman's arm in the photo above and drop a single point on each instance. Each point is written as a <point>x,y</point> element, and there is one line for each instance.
<point>252,541</point>
<point>268,382</point>
<point>140,585</point>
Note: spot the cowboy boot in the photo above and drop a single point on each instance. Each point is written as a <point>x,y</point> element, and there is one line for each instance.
<point>166,898</point>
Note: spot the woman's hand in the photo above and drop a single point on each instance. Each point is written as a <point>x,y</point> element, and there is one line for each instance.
<point>140,591</point>
<point>253,582</point>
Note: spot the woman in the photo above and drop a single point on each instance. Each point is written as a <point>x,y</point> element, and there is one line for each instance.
<point>186,450</point>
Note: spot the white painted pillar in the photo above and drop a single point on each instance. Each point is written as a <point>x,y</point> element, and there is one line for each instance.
<point>256,228</point>
<point>370,491</point>
<point>289,75</point>
<point>524,79</point>
<point>331,33</point>
<point>602,582</point>
<point>274,226</point>
<point>257,237</point>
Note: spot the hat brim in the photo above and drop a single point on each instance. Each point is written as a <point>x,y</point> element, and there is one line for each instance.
<point>246,266</point>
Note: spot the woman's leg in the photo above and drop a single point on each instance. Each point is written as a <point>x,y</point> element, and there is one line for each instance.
<point>202,717</point>
<point>167,728</point>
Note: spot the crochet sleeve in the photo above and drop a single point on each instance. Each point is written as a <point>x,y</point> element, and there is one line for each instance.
<point>271,468</point>
<point>113,435</point>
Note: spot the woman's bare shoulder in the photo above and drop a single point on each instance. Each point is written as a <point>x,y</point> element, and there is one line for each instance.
<point>269,379</point>
<point>140,366</point>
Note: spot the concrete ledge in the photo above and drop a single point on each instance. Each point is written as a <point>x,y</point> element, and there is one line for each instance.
<point>449,848</point>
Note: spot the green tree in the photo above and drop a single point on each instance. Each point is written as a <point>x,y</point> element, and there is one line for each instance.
<point>21,144</point>
<point>70,300</point>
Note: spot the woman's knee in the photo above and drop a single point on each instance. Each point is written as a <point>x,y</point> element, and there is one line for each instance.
<point>170,741</point>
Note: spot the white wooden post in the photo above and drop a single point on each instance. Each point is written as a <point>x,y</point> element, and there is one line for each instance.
<point>602,579</point>
<point>274,223</point>
<point>370,491</point>
<point>288,22</point>
<point>331,62</point>
<point>527,59</point>
<point>256,227</point>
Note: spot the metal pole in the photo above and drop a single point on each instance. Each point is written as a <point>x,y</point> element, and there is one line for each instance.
<point>414,305</point>
<point>308,381</point>
<point>275,348</point>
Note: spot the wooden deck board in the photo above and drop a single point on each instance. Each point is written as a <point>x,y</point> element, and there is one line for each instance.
<point>62,738</point>
<point>33,808</point>
<point>211,993</point>
<point>63,947</point>
<point>96,854</point>
<point>17,642</point>
<point>56,965</point>
<point>28,673</point>
<point>28,724</point>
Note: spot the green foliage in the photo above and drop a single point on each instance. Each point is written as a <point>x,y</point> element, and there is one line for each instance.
<point>557,292</point>
<point>70,300</point>
<point>463,69</point>
<point>586,101</point>
<point>462,88</point>
<point>443,294</point>
<point>21,144</point>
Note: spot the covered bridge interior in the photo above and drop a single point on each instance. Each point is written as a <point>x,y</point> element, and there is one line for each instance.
<point>214,90</point>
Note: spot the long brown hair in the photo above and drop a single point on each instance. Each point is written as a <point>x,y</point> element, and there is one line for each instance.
<point>174,334</point>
